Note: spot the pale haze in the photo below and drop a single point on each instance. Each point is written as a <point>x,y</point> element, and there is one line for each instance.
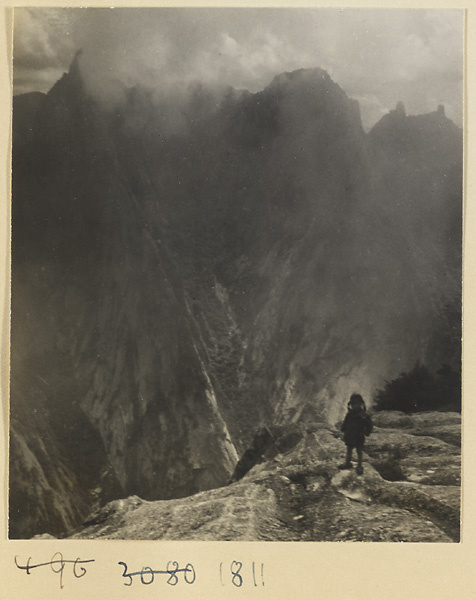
<point>378,56</point>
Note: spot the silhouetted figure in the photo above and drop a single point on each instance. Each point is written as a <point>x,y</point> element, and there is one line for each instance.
<point>357,424</point>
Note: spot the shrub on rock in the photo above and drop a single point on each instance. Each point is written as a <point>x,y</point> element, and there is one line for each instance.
<point>421,390</point>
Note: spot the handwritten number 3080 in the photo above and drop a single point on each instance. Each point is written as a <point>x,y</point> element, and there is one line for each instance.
<point>147,575</point>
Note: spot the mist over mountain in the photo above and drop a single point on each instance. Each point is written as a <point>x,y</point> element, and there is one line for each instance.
<point>188,266</point>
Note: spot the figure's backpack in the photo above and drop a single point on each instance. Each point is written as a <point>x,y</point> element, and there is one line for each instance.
<point>368,426</point>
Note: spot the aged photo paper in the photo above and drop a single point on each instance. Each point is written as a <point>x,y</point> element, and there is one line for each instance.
<point>231,329</point>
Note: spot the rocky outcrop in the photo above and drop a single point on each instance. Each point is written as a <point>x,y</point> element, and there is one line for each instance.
<point>299,494</point>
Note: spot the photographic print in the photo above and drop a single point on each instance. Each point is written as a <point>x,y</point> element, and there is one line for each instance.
<point>236,274</point>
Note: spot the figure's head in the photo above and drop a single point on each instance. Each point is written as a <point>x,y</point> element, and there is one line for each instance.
<point>356,402</point>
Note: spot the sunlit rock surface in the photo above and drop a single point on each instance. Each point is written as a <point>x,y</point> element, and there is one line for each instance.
<point>301,495</point>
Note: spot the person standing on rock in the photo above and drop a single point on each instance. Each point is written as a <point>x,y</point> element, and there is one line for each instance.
<point>357,424</point>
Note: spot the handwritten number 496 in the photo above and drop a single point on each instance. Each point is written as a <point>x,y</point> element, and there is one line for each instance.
<point>57,564</point>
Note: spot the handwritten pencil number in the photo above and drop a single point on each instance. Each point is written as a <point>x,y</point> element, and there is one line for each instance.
<point>172,571</point>
<point>240,574</point>
<point>189,574</point>
<point>57,564</point>
<point>237,579</point>
<point>82,571</point>
<point>125,574</point>
<point>148,575</point>
<point>151,575</point>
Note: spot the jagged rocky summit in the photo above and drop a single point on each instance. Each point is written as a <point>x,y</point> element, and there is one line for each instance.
<point>187,272</point>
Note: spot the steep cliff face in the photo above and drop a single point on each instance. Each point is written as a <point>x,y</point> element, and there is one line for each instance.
<point>188,271</point>
<point>419,177</point>
<point>113,308</point>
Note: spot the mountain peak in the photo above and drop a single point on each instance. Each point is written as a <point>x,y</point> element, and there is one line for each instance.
<point>400,108</point>
<point>307,94</point>
<point>301,74</point>
<point>308,78</point>
<point>74,67</point>
<point>71,80</point>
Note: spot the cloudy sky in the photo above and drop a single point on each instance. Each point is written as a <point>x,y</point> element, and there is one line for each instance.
<point>378,56</point>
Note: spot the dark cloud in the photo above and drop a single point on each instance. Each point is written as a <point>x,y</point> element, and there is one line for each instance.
<point>43,47</point>
<point>378,56</point>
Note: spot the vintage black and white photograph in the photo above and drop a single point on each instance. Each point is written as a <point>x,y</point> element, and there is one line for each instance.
<point>236,274</point>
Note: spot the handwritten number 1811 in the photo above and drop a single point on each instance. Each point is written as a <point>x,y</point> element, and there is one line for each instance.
<point>238,572</point>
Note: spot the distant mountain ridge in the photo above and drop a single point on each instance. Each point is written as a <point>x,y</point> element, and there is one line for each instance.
<point>184,272</point>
